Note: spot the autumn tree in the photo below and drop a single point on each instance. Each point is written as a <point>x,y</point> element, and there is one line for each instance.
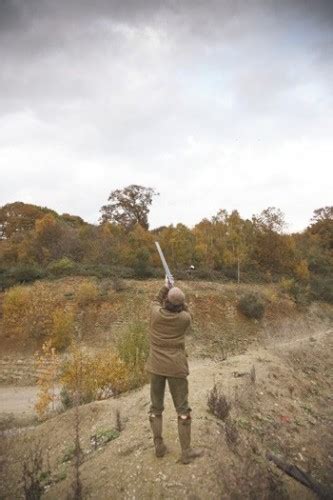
<point>236,244</point>
<point>316,243</point>
<point>322,226</point>
<point>204,244</point>
<point>19,217</point>
<point>129,206</point>
<point>274,252</point>
<point>322,214</point>
<point>270,219</point>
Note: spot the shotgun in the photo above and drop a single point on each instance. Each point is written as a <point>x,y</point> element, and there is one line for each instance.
<point>164,262</point>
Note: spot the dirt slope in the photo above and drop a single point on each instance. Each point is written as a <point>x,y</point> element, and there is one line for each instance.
<point>286,409</point>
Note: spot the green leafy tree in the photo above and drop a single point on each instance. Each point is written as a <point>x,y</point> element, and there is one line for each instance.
<point>129,206</point>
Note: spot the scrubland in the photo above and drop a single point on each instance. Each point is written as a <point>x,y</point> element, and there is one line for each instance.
<point>81,344</point>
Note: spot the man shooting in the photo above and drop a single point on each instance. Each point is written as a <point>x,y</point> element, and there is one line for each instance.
<point>167,361</point>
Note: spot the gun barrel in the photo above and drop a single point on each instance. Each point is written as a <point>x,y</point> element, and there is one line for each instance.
<point>164,262</point>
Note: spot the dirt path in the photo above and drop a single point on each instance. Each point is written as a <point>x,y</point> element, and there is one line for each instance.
<point>285,411</point>
<point>18,400</point>
<point>21,399</point>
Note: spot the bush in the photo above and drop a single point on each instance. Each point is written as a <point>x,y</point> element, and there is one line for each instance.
<point>26,273</point>
<point>87,293</point>
<point>321,288</point>
<point>15,305</point>
<point>63,329</point>
<point>65,398</point>
<point>6,281</point>
<point>231,433</point>
<point>133,347</point>
<point>299,292</point>
<point>47,366</point>
<point>142,267</point>
<point>90,375</point>
<point>252,305</point>
<point>104,271</point>
<point>97,270</point>
<point>27,311</point>
<point>218,403</point>
<point>104,436</point>
<point>62,267</point>
<point>118,284</point>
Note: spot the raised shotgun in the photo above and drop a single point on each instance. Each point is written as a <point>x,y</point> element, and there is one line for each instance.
<point>164,262</point>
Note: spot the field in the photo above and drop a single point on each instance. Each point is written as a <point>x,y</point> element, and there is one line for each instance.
<point>275,372</point>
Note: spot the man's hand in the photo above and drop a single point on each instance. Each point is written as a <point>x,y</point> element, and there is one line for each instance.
<point>169,281</point>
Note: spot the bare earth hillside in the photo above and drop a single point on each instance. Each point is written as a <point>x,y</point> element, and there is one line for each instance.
<point>287,410</point>
<point>276,373</point>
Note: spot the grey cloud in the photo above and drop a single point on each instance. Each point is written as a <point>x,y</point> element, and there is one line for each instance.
<point>117,88</point>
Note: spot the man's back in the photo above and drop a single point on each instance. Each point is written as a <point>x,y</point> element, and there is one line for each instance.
<point>167,339</point>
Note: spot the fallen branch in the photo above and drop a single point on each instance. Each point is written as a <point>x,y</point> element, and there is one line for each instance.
<point>301,476</point>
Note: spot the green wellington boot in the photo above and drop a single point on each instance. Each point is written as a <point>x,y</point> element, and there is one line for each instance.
<point>156,423</point>
<point>184,432</point>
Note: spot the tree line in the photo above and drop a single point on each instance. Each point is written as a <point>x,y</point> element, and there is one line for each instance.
<point>37,241</point>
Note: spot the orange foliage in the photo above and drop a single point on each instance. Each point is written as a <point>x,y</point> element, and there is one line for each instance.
<point>91,374</point>
<point>47,365</point>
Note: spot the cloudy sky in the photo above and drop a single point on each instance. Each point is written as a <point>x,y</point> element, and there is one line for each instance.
<point>215,104</point>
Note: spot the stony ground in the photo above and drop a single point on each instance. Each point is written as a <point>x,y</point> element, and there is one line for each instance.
<point>281,395</point>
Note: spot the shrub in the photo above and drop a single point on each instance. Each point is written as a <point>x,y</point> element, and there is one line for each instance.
<point>132,347</point>
<point>142,267</point>
<point>302,271</point>
<point>47,365</point>
<point>103,437</point>
<point>231,433</point>
<point>26,273</point>
<point>15,305</point>
<point>218,403</point>
<point>90,375</point>
<point>298,291</point>
<point>38,317</point>
<point>252,305</point>
<point>65,398</point>
<point>87,293</point>
<point>69,454</point>
<point>35,471</point>
<point>6,280</point>
<point>28,311</point>
<point>118,284</point>
<point>97,270</point>
<point>286,284</point>
<point>132,344</point>
<point>63,329</point>
<point>62,267</point>
<point>104,271</point>
<point>321,288</point>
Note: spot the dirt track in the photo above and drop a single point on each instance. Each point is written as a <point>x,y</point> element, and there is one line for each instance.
<point>18,400</point>
<point>285,411</point>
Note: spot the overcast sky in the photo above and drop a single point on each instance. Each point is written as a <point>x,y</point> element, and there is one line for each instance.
<point>215,104</point>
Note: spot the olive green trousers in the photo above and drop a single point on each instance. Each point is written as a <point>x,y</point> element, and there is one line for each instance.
<point>179,393</point>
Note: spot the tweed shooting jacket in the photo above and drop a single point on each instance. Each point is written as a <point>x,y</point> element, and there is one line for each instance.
<point>167,354</point>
